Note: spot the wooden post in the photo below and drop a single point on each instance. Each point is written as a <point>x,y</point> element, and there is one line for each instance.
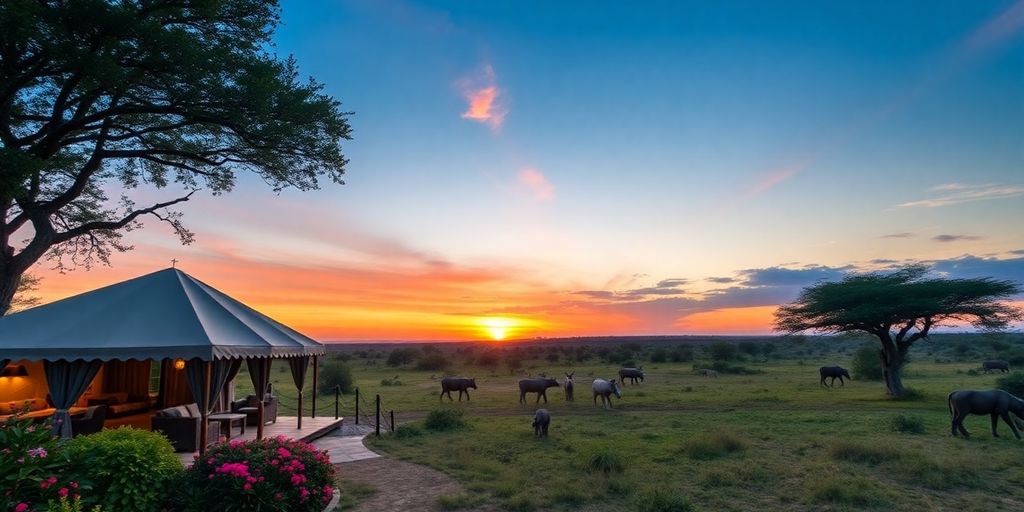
<point>316,377</point>
<point>392,420</point>
<point>357,406</point>
<point>204,421</point>
<point>261,394</point>
<point>300,411</point>
<point>337,401</point>
<point>378,416</point>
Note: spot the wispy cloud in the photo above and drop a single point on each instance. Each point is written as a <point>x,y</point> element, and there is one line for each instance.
<point>484,98</point>
<point>956,193</point>
<point>899,235</point>
<point>537,185</point>
<point>955,238</point>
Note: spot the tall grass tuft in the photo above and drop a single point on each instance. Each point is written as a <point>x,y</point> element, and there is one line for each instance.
<point>855,492</point>
<point>440,420</point>
<point>906,424</point>
<point>603,460</point>
<point>661,501</point>
<point>714,446</point>
<point>852,451</point>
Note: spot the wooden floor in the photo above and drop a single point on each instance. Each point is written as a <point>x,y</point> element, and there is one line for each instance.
<point>312,428</point>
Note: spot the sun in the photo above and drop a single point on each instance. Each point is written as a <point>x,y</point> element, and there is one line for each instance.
<point>497,327</point>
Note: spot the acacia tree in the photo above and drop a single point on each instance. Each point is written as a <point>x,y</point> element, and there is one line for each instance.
<point>100,97</point>
<point>899,308</point>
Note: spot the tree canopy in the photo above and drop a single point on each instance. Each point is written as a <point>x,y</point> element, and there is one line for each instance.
<point>98,97</point>
<point>899,308</point>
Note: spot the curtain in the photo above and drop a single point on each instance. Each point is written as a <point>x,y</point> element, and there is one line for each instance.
<point>173,386</point>
<point>227,394</point>
<point>220,370</point>
<point>67,381</point>
<point>130,376</point>
<point>299,366</point>
<point>4,363</point>
<point>259,372</point>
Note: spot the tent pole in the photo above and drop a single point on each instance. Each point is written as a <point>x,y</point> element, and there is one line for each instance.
<point>203,414</point>
<point>261,395</point>
<point>316,375</point>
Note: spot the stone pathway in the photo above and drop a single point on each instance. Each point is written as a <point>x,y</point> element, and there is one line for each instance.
<point>400,485</point>
<point>346,444</point>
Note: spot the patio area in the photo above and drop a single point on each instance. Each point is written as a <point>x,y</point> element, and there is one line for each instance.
<point>312,428</point>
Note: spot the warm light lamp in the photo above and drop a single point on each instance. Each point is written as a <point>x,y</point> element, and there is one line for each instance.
<point>179,364</point>
<point>17,370</point>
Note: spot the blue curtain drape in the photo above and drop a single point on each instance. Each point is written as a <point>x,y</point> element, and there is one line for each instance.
<point>220,371</point>
<point>67,381</point>
<point>259,372</point>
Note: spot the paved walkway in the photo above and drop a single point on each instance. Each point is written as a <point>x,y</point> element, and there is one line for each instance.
<point>346,444</point>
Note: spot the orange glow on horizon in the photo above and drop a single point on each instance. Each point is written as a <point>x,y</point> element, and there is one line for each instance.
<point>752,320</point>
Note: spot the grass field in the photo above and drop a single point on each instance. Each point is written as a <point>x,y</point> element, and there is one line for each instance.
<point>772,440</point>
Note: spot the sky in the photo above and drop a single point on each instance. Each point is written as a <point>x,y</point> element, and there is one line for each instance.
<point>548,169</point>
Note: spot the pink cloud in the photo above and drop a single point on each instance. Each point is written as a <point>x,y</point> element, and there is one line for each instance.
<point>483,97</point>
<point>537,184</point>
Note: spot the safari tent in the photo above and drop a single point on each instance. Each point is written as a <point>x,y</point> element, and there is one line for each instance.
<point>110,340</point>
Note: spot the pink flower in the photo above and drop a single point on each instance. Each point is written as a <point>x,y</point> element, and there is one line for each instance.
<point>74,485</point>
<point>63,492</point>
<point>247,487</point>
<point>21,507</point>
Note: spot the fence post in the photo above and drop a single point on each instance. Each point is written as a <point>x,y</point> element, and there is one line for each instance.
<point>378,416</point>
<point>357,406</point>
<point>392,420</point>
<point>337,400</point>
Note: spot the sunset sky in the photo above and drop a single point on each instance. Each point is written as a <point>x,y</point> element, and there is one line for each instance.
<point>611,168</point>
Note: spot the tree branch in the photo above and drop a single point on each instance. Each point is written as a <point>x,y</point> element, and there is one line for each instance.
<point>118,224</point>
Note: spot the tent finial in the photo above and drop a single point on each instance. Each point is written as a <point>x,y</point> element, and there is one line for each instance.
<point>174,263</point>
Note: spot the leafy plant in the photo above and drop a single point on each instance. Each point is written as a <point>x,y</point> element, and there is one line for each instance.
<point>1012,383</point>
<point>274,474</point>
<point>444,419</point>
<point>604,460</point>
<point>32,465</point>
<point>70,505</point>
<point>866,363</point>
<point>335,373</point>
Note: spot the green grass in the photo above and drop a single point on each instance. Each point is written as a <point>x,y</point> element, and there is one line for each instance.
<point>352,493</point>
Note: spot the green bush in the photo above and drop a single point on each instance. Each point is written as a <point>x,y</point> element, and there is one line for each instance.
<point>31,464</point>
<point>603,460</point>
<point>659,355</point>
<point>681,354</point>
<point>441,420</point>
<point>866,364</point>
<point>129,469</point>
<point>407,430</point>
<point>1012,383</point>
<point>402,356</point>
<point>70,505</point>
<point>721,351</point>
<point>335,373</point>
<point>661,501</point>
<point>713,446</point>
<point>432,362</point>
<point>906,424</point>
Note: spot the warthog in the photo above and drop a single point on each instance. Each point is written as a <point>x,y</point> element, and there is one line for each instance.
<point>605,389</point>
<point>460,384</point>
<point>539,386</point>
<point>708,372</point>
<point>989,366</point>
<point>633,374</point>
<point>836,372</point>
<point>996,403</point>
<point>570,383</point>
<point>541,420</point>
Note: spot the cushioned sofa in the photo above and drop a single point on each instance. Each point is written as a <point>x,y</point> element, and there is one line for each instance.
<point>120,404</point>
<point>181,425</point>
<point>36,408</point>
<point>250,407</point>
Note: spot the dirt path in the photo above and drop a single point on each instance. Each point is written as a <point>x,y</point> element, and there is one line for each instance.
<point>400,485</point>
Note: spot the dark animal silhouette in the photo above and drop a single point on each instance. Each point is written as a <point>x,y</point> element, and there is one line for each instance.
<point>605,389</point>
<point>708,372</point>
<point>989,366</point>
<point>633,374</point>
<point>570,383</point>
<point>996,403</point>
<point>835,372</point>
<point>539,386</point>
<point>460,384</point>
<point>541,420</point>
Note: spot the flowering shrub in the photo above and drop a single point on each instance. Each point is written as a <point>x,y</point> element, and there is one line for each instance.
<point>31,467</point>
<point>276,474</point>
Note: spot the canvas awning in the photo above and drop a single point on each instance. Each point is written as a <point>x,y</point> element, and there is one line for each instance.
<point>166,314</point>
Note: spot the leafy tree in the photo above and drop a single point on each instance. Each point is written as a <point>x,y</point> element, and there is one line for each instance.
<point>24,295</point>
<point>402,356</point>
<point>722,351</point>
<point>99,96</point>
<point>899,308</point>
<point>334,372</point>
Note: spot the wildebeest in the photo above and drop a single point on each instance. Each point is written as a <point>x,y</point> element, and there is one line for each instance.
<point>989,366</point>
<point>605,389</point>
<point>836,372</point>
<point>570,383</point>
<point>632,374</point>
<point>460,384</point>
<point>539,386</point>
<point>541,420</point>
<point>996,403</point>
<point>708,372</point>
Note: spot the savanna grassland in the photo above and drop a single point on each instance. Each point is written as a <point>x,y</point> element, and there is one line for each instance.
<point>765,437</point>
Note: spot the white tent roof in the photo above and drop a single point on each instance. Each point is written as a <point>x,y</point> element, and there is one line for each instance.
<point>166,314</point>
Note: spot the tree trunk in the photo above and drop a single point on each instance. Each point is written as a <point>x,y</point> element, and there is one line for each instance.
<point>892,368</point>
<point>8,287</point>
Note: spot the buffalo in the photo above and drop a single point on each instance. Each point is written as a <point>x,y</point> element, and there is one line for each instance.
<point>633,374</point>
<point>460,384</point>
<point>996,403</point>
<point>539,386</point>
<point>1002,366</point>
<point>570,383</point>
<point>541,420</point>
<point>605,389</point>
<point>835,372</point>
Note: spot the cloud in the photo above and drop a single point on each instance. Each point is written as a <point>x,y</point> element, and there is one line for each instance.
<point>954,238</point>
<point>782,276</point>
<point>957,193</point>
<point>483,98</point>
<point>899,235</point>
<point>537,185</point>
<point>722,280</point>
<point>1017,251</point>
<point>1011,269</point>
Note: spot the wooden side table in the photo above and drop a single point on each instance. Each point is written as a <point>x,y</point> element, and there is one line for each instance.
<point>228,420</point>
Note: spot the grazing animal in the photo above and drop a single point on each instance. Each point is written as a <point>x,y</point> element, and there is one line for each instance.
<point>539,386</point>
<point>541,420</point>
<point>570,383</point>
<point>605,389</point>
<point>633,374</point>
<point>996,403</point>
<point>708,372</point>
<point>835,372</point>
<point>460,384</point>
<point>989,366</point>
